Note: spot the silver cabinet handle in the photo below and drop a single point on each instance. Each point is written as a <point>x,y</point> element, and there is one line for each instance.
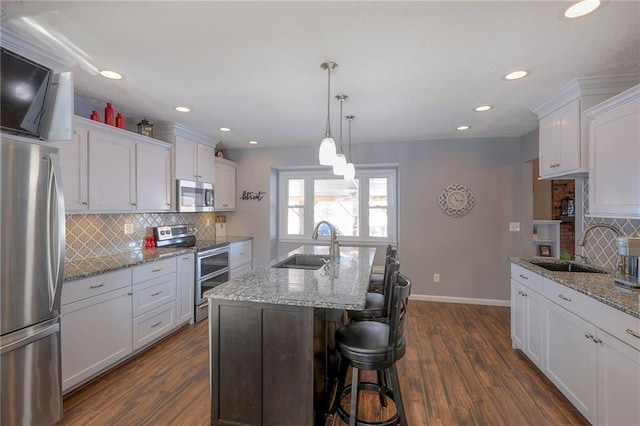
<point>592,337</point>
<point>84,203</point>
<point>241,254</point>
<point>563,297</point>
<point>522,293</point>
<point>156,324</point>
<point>185,258</point>
<point>97,286</point>
<point>633,333</point>
<point>588,335</point>
<point>130,293</point>
<point>157,293</point>
<point>156,270</point>
<point>133,204</point>
<point>524,277</point>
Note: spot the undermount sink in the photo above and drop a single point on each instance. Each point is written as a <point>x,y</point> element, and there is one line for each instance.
<point>303,261</point>
<point>566,267</point>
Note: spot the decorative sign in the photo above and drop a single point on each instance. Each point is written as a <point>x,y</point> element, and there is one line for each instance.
<point>250,195</point>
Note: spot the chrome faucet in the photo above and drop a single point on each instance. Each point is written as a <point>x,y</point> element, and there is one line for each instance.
<point>334,236</point>
<point>583,238</point>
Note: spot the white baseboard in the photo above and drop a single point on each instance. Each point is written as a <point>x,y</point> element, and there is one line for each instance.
<point>465,300</point>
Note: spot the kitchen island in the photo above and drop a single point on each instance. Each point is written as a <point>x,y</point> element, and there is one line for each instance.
<point>271,338</point>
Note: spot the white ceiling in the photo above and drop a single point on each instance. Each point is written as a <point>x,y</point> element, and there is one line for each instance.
<point>413,71</point>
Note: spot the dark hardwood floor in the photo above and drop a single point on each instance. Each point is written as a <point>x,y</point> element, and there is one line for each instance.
<point>459,369</point>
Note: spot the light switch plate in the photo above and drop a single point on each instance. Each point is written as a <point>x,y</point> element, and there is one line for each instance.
<point>514,226</point>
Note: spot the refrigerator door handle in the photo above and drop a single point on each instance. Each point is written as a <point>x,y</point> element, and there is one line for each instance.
<point>29,336</point>
<point>56,231</point>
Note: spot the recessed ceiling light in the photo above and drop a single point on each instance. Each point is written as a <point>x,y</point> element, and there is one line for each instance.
<point>253,142</point>
<point>111,75</point>
<point>483,108</point>
<point>182,109</point>
<point>582,8</point>
<point>465,127</point>
<point>516,75</point>
<point>224,129</point>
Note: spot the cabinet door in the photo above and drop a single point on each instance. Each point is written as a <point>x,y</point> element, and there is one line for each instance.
<point>154,324</point>
<point>534,327</point>
<point>186,157</point>
<point>153,177</point>
<point>570,357</point>
<point>206,163</point>
<point>614,174</point>
<point>73,162</point>
<point>618,382</point>
<point>239,271</point>
<point>95,332</point>
<point>560,141</point>
<point>186,284</point>
<point>518,316</point>
<point>112,173</point>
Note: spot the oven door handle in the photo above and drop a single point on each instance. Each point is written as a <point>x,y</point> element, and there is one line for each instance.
<point>213,252</point>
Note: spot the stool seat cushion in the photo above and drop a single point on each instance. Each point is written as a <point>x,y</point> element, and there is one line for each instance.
<point>373,308</point>
<point>366,342</point>
<point>376,278</point>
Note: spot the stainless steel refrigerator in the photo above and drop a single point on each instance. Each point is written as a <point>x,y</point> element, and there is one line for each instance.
<point>31,260</point>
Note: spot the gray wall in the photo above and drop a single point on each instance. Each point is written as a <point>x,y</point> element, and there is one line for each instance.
<point>469,253</point>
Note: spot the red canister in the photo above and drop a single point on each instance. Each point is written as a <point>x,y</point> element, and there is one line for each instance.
<point>94,116</point>
<point>120,121</point>
<point>150,241</point>
<point>108,115</point>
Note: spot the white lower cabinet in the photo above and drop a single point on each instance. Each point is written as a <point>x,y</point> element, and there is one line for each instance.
<point>95,326</point>
<point>563,332</point>
<point>570,358</point>
<point>526,321</point>
<point>240,258</point>
<point>618,382</point>
<point>108,317</point>
<point>185,301</point>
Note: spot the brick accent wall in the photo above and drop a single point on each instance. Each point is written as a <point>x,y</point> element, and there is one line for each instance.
<point>561,190</point>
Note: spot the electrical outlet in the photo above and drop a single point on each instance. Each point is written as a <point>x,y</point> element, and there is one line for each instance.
<point>514,226</point>
<point>128,228</point>
<point>436,278</point>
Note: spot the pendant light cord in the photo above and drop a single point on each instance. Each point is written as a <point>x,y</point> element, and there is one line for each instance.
<point>349,118</point>
<point>341,102</point>
<point>327,133</point>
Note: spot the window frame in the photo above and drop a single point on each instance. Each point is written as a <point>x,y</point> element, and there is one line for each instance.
<point>309,175</point>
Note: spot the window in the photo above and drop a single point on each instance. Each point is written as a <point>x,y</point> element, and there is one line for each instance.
<point>362,210</point>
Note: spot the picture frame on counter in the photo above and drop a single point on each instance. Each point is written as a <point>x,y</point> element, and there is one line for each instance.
<point>544,251</point>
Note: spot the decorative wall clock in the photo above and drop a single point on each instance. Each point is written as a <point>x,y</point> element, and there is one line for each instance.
<point>456,200</point>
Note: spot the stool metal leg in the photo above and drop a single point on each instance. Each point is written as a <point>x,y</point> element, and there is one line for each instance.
<point>397,394</point>
<point>382,383</point>
<point>354,398</point>
<point>343,366</point>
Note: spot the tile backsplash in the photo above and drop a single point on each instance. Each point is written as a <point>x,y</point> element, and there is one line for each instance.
<point>95,235</point>
<point>600,246</point>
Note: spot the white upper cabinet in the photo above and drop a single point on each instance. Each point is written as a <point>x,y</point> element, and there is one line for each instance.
<point>75,167</point>
<point>563,134</point>
<point>194,154</point>
<point>225,190</point>
<point>614,156</point>
<point>105,169</point>
<point>153,177</point>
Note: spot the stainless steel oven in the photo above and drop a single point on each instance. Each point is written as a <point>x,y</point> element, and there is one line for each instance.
<point>212,269</point>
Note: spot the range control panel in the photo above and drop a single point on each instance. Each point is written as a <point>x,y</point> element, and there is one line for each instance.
<point>174,231</point>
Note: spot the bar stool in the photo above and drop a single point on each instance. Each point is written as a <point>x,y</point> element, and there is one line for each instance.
<point>376,281</point>
<point>372,345</point>
<point>377,304</point>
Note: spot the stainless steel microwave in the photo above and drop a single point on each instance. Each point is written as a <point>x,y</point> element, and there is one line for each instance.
<point>194,196</point>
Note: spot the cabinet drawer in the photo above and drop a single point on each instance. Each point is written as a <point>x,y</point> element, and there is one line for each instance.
<point>240,253</point>
<point>96,285</point>
<point>526,277</point>
<point>154,269</point>
<point>573,301</point>
<point>620,325</point>
<point>239,271</point>
<point>153,325</point>
<point>153,293</point>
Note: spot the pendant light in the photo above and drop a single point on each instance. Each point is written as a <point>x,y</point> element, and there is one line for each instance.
<point>340,162</point>
<point>327,151</point>
<point>350,169</point>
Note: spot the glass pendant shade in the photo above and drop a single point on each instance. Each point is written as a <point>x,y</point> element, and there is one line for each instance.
<point>349,171</point>
<point>339,164</point>
<point>327,153</point>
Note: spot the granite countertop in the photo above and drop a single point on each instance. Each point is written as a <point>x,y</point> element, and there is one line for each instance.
<point>599,286</point>
<point>77,269</point>
<point>343,288</point>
